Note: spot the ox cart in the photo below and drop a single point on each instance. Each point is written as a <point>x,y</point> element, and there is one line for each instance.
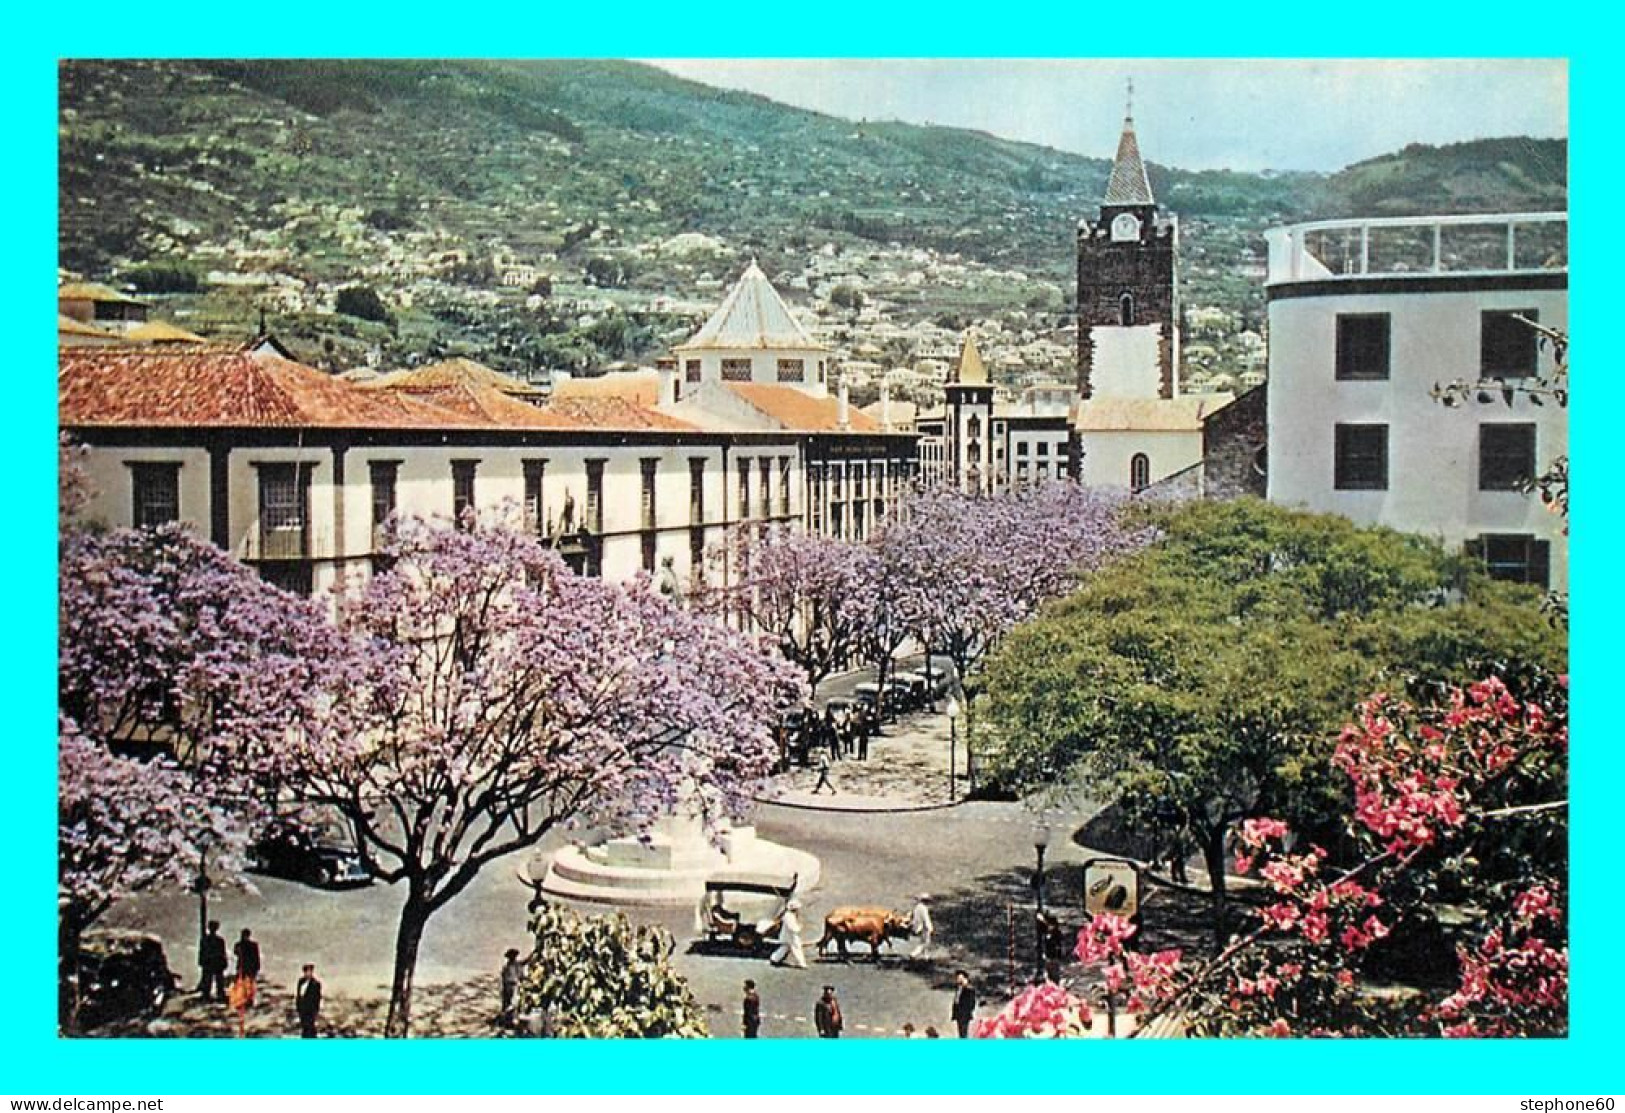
<point>744,909</point>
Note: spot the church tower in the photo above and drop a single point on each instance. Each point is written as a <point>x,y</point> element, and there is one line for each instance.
<point>1128,313</point>
<point>968,430</point>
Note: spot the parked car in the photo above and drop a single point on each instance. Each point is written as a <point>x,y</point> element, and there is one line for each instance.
<point>122,974</point>
<point>868,696</point>
<point>901,695</point>
<point>317,850</point>
<point>926,688</point>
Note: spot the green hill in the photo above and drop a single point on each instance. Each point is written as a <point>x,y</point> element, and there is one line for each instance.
<point>277,182</point>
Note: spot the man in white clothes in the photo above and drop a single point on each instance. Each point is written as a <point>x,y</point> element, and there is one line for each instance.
<point>920,926</point>
<point>790,952</point>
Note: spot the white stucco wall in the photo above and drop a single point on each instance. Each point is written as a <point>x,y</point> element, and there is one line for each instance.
<point>1432,449</point>
<point>1126,361</point>
<point>1107,455</point>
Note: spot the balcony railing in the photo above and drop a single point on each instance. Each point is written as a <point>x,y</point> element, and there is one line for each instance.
<point>1405,247</point>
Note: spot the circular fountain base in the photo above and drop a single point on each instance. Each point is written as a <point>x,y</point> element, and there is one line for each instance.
<point>668,868</point>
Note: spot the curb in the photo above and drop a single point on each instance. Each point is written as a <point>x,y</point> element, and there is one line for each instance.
<point>893,809</point>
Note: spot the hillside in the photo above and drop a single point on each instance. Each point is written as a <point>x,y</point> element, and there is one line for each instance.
<point>563,214</point>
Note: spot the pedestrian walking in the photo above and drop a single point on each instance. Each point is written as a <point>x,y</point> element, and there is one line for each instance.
<point>921,927</point>
<point>827,1015</point>
<point>307,999</point>
<point>823,776</point>
<point>964,1010</point>
<point>790,952</point>
<point>751,1011</point>
<point>248,962</point>
<point>211,960</point>
<point>513,972</point>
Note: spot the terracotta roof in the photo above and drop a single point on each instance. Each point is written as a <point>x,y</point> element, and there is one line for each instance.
<point>613,412</point>
<point>224,387</point>
<point>753,315</point>
<point>457,372</point>
<point>1148,415</point>
<point>92,291</point>
<point>1129,184</point>
<point>162,332</point>
<point>638,387</point>
<point>801,412</point>
<point>477,404</point>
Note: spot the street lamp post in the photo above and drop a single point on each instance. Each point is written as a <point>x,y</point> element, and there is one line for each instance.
<point>1041,834</point>
<point>953,745</point>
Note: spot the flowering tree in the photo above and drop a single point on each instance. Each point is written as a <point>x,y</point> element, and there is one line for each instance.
<point>1458,804</point>
<point>1201,681</point>
<point>977,566</point>
<point>181,676</point>
<point>795,588</point>
<point>509,696</point>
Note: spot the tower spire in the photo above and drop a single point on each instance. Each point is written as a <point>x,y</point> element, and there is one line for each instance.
<point>1129,184</point>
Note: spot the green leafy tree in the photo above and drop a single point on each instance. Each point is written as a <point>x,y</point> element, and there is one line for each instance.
<point>601,977</point>
<point>362,302</point>
<point>1202,681</point>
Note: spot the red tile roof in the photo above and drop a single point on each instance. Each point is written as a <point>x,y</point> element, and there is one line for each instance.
<point>640,387</point>
<point>799,411</point>
<point>612,412</point>
<point>225,387</point>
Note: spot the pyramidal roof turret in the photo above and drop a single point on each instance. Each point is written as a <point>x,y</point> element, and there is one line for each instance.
<point>1129,184</point>
<point>971,371</point>
<point>753,315</point>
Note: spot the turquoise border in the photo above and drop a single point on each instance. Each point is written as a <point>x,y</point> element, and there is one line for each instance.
<point>35,1062</point>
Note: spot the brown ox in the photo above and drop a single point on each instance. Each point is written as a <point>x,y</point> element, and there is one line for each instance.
<point>874,925</point>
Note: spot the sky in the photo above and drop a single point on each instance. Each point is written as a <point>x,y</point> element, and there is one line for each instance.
<point>1194,114</point>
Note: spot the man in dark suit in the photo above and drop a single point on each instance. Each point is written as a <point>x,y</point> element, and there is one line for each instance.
<point>211,959</point>
<point>964,1010</point>
<point>827,1015</point>
<point>248,962</point>
<point>751,1012</point>
<point>307,998</point>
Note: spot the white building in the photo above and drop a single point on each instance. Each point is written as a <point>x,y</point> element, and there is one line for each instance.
<point>1365,317</point>
<point>295,471</point>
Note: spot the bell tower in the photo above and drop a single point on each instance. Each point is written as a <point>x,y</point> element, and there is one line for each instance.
<point>1128,313</point>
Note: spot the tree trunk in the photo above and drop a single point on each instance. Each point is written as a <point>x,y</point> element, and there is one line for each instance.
<point>1213,856</point>
<point>67,970</point>
<point>414,918</point>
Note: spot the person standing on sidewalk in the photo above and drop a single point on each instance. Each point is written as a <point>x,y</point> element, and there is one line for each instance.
<point>751,1011</point>
<point>307,999</point>
<point>827,1015</point>
<point>211,960</point>
<point>964,1010</point>
<point>248,963</point>
<point>513,972</point>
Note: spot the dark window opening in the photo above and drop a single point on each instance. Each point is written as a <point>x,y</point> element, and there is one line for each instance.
<point>535,506</point>
<point>1363,346</point>
<point>594,519</point>
<point>1361,458</point>
<point>385,477</point>
<point>1125,309</point>
<point>1519,557</point>
<point>156,490</point>
<point>1139,472</point>
<point>462,492</point>
<point>1506,456</point>
<point>1508,346</point>
<point>284,510</point>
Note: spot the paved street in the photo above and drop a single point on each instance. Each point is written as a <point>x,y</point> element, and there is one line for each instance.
<point>974,858</point>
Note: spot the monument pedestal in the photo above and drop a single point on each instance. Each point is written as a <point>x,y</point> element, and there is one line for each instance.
<point>667,868</point>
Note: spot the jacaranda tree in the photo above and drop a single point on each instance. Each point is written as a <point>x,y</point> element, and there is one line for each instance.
<point>509,696</point>
<point>182,677</point>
